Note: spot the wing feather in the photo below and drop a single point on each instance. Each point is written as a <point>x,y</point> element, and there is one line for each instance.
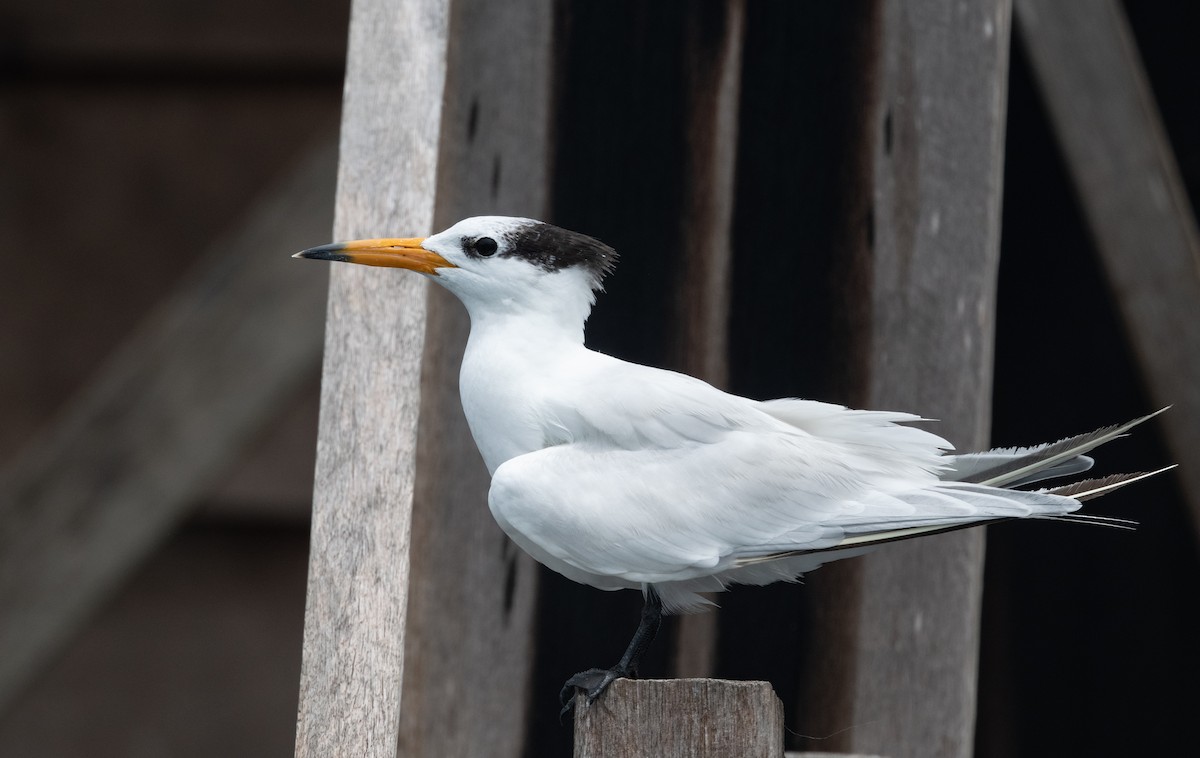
<point>1017,466</point>
<point>672,482</point>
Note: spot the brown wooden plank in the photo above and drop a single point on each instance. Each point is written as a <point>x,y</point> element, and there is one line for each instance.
<point>1125,175</point>
<point>713,56</point>
<point>926,232</point>
<point>353,660</point>
<point>84,502</point>
<point>713,52</point>
<point>681,717</point>
<point>124,35</point>
<point>470,637</point>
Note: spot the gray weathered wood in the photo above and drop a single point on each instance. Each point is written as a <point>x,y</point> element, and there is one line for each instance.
<point>469,643</point>
<point>1104,115</point>
<point>681,718</point>
<point>85,501</point>
<point>810,754</point>
<point>358,573</point>
<point>928,254</point>
<point>702,295</point>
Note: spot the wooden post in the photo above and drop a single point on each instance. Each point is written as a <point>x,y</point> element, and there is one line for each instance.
<point>927,240</point>
<point>681,718</point>
<point>85,501</point>
<point>358,572</point>
<point>470,636</point>
<point>1125,175</point>
<point>713,52</point>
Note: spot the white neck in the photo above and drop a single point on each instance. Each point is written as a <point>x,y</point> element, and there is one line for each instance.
<point>511,360</point>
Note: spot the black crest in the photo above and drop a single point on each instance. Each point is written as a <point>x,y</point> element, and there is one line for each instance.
<point>554,249</point>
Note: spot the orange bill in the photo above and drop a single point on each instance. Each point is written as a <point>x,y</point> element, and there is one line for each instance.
<point>391,252</point>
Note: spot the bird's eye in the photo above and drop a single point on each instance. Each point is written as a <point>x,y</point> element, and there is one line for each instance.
<point>485,246</point>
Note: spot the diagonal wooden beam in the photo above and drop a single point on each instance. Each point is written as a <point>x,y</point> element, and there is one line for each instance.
<point>84,502</point>
<point>1092,81</point>
<point>354,625</point>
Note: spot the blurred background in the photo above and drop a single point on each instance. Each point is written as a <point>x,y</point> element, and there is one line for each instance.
<point>149,147</point>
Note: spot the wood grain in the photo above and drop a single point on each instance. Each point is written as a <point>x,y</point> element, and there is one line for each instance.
<point>87,499</point>
<point>470,637</point>
<point>681,718</point>
<point>713,55</point>
<point>1097,93</point>
<point>927,240</point>
<point>353,660</point>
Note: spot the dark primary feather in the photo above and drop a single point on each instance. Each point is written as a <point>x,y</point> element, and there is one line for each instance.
<point>1088,489</point>
<point>1024,468</point>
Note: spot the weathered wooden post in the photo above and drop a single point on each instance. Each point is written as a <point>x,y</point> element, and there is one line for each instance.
<point>358,573</point>
<point>713,52</point>
<point>469,643</point>
<point>393,438</point>
<point>926,236</point>
<point>681,718</point>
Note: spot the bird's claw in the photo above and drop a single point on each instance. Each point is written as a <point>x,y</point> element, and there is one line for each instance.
<point>592,683</point>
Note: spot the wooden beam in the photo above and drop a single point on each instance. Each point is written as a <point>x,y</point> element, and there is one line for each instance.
<point>470,633</point>
<point>713,56</point>
<point>1092,81</point>
<point>926,236</point>
<point>145,40</point>
<point>92,495</point>
<point>681,717</point>
<point>354,623</point>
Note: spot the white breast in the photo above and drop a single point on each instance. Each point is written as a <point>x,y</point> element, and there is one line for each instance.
<point>505,376</point>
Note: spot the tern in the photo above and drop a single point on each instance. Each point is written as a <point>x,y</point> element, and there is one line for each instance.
<point>623,476</point>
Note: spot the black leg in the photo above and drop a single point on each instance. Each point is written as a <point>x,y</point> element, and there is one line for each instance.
<point>594,682</point>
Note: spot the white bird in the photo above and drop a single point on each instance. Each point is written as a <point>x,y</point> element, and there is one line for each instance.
<point>622,476</point>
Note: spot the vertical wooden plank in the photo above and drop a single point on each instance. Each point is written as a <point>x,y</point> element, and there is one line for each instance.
<point>681,718</point>
<point>470,636</point>
<point>358,572</point>
<point>938,178</point>
<point>927,243</point>
<point>713,65</point>
<point>1121,163</point>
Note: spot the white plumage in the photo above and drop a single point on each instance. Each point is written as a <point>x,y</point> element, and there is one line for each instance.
<point>624,476</point>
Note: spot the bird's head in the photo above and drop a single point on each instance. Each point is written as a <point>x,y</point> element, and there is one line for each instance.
<point>496,265</point>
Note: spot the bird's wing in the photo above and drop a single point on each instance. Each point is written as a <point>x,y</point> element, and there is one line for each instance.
<point>633,407</point>
<point>654,476</point>
<point>884,434</point>
<point>1017,466</point>
<point>674,514</point>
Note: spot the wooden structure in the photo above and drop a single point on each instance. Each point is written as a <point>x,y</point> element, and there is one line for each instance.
<point>1132,194</point>
<point>684,717</point>
<point>819,192</point>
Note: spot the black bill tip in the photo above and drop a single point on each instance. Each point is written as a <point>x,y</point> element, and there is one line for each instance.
<point>331,252</point>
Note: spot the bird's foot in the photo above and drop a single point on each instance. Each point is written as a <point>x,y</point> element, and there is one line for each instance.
<point>592,683</point>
